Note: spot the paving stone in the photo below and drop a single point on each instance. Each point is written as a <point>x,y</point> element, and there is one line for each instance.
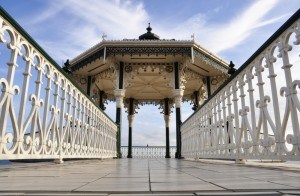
<point>290,192</point>
<point>66,194</point>
<point>238,193</point>
<point>153,194</point>
<point>183,186</point>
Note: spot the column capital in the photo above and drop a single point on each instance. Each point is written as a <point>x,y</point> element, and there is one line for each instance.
<point>119,94</point>
<point>130,120</point>
<point>178,94</point>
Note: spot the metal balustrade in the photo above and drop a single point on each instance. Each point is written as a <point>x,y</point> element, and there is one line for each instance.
<point>43,113</point>
<point>261,99</point>
<point>148,151</point>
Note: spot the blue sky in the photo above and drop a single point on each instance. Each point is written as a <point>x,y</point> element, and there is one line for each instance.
<point>232,29</point>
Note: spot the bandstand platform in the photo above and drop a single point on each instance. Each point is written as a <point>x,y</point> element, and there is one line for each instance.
<point>150,177</point>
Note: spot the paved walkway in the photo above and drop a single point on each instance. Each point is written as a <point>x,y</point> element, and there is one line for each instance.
<point>145,177</point>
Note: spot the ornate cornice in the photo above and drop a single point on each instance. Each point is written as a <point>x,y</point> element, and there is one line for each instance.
<point>131,43</point>
<point>215,64</point>
<point>88,60</point>
<point>184,51</point>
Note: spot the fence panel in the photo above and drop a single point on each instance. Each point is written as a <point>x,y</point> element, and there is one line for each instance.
<point>43,113</point>
<point>148,151</point>
<point>255,114</point>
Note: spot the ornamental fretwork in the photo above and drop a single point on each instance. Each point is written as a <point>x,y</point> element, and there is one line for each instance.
<point>209,61</point>
<point>184,51</point>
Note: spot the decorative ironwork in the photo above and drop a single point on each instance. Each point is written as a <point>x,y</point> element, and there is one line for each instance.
<point>184,51</point>
<point>43,113</point>
<point>149,151</point>
<point>246,118</point>
<point>88,60</point>
<point>135,105</point>
<point>208,60</point>
<point>163,108</point>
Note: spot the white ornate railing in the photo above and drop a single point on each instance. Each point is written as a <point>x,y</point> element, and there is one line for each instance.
<point>148,151</point>
<point>258,101</point>
<point>43,114</point>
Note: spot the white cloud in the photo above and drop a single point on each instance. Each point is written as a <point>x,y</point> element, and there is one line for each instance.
<point>52,10</point>
<point>219,37</point>
<point>114,17</point>
<point>84,24</point>
<point>241,26</point>
<point>78,25</point>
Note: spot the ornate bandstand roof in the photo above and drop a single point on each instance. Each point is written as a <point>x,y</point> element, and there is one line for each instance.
<point>148,66</point>
<point>149,35</point>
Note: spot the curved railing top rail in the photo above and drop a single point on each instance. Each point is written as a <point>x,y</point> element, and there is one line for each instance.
<point>28,38</point>
<point>288,23</point>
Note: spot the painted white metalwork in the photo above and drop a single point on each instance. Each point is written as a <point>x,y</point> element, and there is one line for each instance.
<point>247,118</point>
<point>149,151</point>
<point>43,115</point>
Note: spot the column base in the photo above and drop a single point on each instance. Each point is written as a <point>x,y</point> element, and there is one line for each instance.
<point>119,156</point>
<point>178,156</point>
<point>129,156</point>
<point>167,156</point>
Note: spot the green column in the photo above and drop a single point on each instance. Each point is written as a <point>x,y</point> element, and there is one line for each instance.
<point>130,119</point>
<point>167,120</point>
<point>101,100</point>
<point>119,94</point>
<point>178,96</point>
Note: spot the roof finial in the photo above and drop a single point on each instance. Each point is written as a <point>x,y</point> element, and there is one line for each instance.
<point>104,36</point>
<point>149,29</point>
<point>193,36</point>
<point>149,35</point>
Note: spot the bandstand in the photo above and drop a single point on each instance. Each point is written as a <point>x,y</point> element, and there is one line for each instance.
<point>148,70</point>
<point>243,129</point>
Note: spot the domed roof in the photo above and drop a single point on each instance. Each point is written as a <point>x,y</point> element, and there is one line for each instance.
<point>149,35</point>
